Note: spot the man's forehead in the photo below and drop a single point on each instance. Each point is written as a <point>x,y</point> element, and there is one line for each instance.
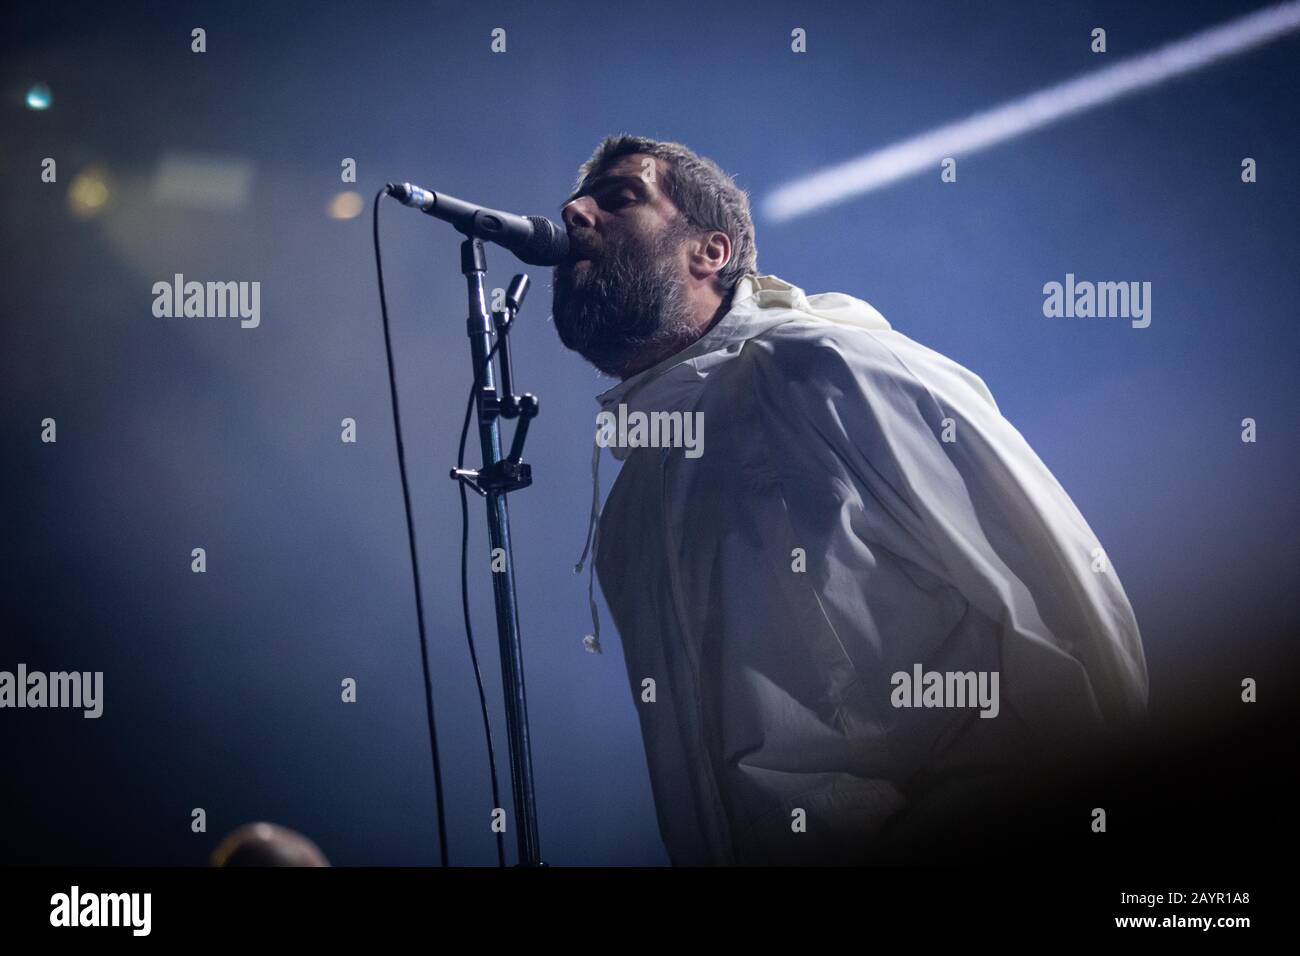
<point>634,166</point>
<point>642,165</point>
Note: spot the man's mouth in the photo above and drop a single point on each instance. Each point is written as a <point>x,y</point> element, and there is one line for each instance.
<point>578,253</point>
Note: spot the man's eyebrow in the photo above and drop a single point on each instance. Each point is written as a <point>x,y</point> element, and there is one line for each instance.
<point>601,182</point>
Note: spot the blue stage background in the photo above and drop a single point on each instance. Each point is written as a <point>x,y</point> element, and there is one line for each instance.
<point>222,689</point>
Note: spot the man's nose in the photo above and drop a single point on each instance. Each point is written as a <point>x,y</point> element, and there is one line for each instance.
<point>579,214</point>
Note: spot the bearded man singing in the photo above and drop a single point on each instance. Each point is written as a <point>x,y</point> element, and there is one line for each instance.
<point>868,596</point>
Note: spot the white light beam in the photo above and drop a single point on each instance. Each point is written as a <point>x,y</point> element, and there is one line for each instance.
<point>884,166</point>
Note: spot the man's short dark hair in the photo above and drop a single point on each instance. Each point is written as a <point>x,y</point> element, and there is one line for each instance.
<point>706,196</point>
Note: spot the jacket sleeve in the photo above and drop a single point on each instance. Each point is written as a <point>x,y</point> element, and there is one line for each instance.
<point>922,441</point>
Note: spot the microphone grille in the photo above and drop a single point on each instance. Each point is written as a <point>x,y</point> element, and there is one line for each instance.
<point>549,244</point>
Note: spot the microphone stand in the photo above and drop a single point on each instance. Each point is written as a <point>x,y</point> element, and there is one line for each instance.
<point>494,481</point>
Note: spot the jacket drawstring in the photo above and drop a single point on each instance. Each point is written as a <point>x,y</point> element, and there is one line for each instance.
<point>592,641</point>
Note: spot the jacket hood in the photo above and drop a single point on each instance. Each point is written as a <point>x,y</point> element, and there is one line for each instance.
<point>760,302</point>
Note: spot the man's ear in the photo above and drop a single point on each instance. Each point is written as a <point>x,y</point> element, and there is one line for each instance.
<point>710,254</point>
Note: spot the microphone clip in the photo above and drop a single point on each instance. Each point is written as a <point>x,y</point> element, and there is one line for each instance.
<point>510,473</point>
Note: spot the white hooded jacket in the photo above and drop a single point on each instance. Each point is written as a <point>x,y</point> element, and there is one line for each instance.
<point>860,507</point>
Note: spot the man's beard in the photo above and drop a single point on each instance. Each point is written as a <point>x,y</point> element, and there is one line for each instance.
<point>627,308</point>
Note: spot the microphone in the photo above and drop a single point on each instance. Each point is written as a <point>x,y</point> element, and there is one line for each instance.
<point>533,239</point>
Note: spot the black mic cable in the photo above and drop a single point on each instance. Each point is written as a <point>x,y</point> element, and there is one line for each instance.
<point>410,534</point>
<point>415,563</point>
<point>464,578</point>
